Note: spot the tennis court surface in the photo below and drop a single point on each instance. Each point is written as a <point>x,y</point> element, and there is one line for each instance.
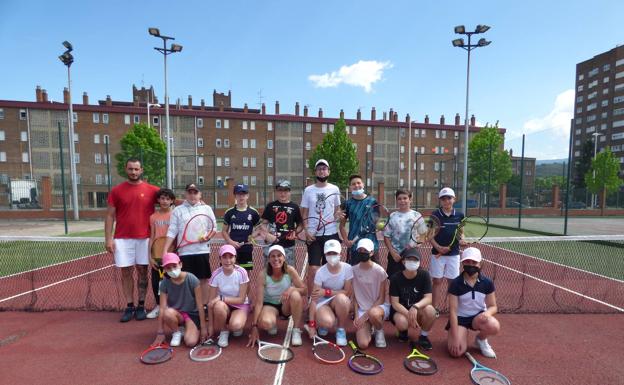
<point>561,299</point>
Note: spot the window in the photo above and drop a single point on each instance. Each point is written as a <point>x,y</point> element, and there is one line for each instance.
<point>331,128</point>
<point>308,146</point>
<point>98,158</point>
<point>619,62</point>
<point>226,143</point>
<point>226,161</point>
<point>591,107</point>
<point>579,110</point>
<point>76,137</point>
<point>77,158</point>
<point>591,118</point>
<point>253,180</point>
<point>616,112</point>
<point>368,148</point>
<point>226,124</point>
<point>245,179</point>
<point>605,91</point>
<point>155,120</point>
<point>577,153</point>
<point>308,127</point>
<point>605,79</point>
<point>269,162</point>
<point>96,138</point>
<point>422,150</point>
<point>604,103</point>
<point>435,182</point>
<point>423,133</point>
<point>369,131</point>
<point>619,135</point>
<point>270,126</point>
<point>270,180</point>
<point>244,124</point>
<point>106,139</point>
<point>354,130</point>
<point>252,143</point>
<point>422,166</point>
<point>618,99</point>
<point>603,126</point>
<point>24,136</point>
<point>437,134</point>
<point>252,162</point>
<point>368,181</point>
<point>200,142</point>
<point>218,161</point>
<point>200,123</point>
<point>323,128</point>
<point>577,131</point>
<point>456,135</point>
<point>592,95</point>
<point>75,115</point>
<point>436,166</point>
<point>245,143</point>
<point>270,144</point>
<point>25,157</point>
<point>619,123</point>
<point>593,84</point>
<point>402,166</point>
<point>579,99</point>
<point>455,151</point>
<point>245,161</point>
<point>22,114</point>
<point>401,182</point>
<point>218,123</point>
<point>98,178</point>
<point>200,180</point>
<point>2,136</point>
<point>578,120</point>
<point>252,125</point>
<point>590,129</point>
<point>402,149</point>
<point>96,117</point>
<point>218,143</point>
<point>2,156</point>
<point>619,75</point>
<point>618,87</point>
<point>126,119</point>
<point>1,113</point>
<point>105,118</point>
<point>137,119</point>
<point>355,146</point>
<point>606,67</point>
<point>579,88</point>
<point>581,77</point>
<point>593,72</point>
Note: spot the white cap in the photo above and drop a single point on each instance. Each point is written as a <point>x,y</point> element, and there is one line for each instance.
<point>366,244</point>
<point>278,248</point>
<point>321,161</point>
<point>471,253</point>
<point>446,192</point>
<point>332,245</point>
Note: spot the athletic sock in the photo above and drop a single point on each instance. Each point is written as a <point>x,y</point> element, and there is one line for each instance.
<point>424,333</point>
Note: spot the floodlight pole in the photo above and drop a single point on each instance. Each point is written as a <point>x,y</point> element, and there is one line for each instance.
<point>67,58</point>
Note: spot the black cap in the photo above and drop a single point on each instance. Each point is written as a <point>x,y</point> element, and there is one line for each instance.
<point>282,184</point>
<point>192,186</point>
<point>411,252</point>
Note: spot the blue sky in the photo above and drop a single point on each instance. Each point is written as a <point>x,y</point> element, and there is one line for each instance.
<point>329,54</point>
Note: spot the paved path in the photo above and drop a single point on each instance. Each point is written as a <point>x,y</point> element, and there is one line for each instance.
<point>46,227</point>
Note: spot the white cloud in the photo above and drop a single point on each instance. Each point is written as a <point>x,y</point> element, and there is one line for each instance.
<point>557,120</point>
<point>363,74</point>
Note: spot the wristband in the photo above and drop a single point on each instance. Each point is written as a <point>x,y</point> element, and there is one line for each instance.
<point>312,323</point>
<point>328,292</point>
<point>415,307</point>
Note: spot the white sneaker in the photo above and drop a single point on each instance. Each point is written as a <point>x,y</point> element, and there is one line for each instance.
<point>380,339</point>
<point>154,313</point>
<point>176,337</point>
<point>223,339</point>
<point>237,333</point>
<point>485,348</point>
<point>296,337</point>
<point>272,331</point>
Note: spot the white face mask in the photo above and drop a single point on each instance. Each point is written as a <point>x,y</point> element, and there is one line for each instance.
<point>357,193</point>
<point>333,260</point>
<point>412,265</point>
<point>175,273</point>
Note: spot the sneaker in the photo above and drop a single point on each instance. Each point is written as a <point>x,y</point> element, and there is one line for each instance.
<point>176,338</point>
<point>223,339</point>
<point>296,337</point>
<point>402,336</point>
<point>237,333</point>
<point>485,348</point>
<point>322,332</point>
<point>380,339</point>
<point>127,315</point>
<point>424,342</point>
<point>272,331</point>
<point>140,314</point>
<point>341,337</point>
<point>154,313</point>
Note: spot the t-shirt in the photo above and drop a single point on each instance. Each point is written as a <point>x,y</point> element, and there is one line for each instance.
<point>181,296</point>
<point>229,285</point>
<point>159,221</point>
<point>448,225</point>
<point>241,222</point>
<point>179,218</point>
<point>471,300</point>
<point>133,203</point>
<point>410,291</point>
<point>273,289</point>
<point>321,203</point>
<point>356,211</point>
<point>325,279</point>
<point>367,283</point>
<point>399,231</point>
<point>282,218</point>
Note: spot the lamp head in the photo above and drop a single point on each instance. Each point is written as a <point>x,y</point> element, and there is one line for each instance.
<point>154,31</point>
<point>460,29</point>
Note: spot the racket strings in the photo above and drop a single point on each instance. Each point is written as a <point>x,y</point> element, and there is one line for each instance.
<point>365,364</point>
<point>486,377</point>
<point>328,352</point>
<point>157,355</point>
<point>275,353</point>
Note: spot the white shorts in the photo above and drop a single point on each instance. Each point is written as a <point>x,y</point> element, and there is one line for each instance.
<point>384,306</point>
<point>446,266</point>
<point>130,252</point>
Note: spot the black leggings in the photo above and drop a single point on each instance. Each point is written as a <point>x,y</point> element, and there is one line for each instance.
<point>156,283</point>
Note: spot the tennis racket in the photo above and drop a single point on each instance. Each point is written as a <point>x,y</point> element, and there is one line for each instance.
<point>374,219</point>
<point>262,237</point>
<point>363,363</point>
<point>274,353</point>
<point>156,354</point>
<point>327,352</point>
<point>206,351</point>
<point>421,228</point>
<point>473,228</point>
<point>482,375</point>
<point>197,230</point>
<point>420,363</point>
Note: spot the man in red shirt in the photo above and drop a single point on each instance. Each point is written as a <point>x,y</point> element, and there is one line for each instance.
<point>130,205</point>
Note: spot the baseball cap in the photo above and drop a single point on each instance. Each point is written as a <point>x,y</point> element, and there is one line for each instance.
<point>170,258</point>
<point>332,245</point>
<point>446,192</point>
<point>366,244</point>
<point>278,248</point>
<point>321,161</point>
<point>283,184</point>
<point>241,189</point>
<point>192,187</point>
<point>471,253</point>
<point>227,249</point>
<point>411,252</point>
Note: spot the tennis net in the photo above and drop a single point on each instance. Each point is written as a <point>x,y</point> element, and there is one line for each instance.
<point>532,275</point>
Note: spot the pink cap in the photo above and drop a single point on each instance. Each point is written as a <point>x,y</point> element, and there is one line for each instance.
<point>170,258</point>
<point>227,249</point>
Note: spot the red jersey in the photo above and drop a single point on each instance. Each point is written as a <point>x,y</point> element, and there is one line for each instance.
<point>133,203</point>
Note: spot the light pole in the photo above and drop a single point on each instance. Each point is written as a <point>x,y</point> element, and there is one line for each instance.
<point>460,29</point>
<point>166,51</point>
<point>149,122</point>
<point>67,58</point>
<point>595,135</point>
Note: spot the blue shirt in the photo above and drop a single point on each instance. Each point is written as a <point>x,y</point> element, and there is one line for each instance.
<point>356,210</point>
<point>448,225</point>
<point>241,222</point>
<point>471,300</point>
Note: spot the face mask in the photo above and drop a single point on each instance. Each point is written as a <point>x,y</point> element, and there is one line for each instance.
<point>333,260</point>
<point>357,193</point>
<point>412,265</point>
<point>322,179</point>
<point>471,270</point>
<point>363,256</point>
<point>175,273</point>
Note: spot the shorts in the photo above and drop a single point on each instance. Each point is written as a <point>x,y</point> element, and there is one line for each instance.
<point>244,257</point>
<point>463,321</point>
<point>278,306</point>
<point>197,264</point>
<point>384,306</point>
<point>290,255</point>
<point>193,317</point>
<point>245,306</point>
<point>446,266</point>
<point>130,252</point>
<point>316,256</point>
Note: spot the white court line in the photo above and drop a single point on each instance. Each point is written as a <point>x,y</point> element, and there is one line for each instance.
<point>559,287</point>
<point>279,373</point>
<point>55,283</point>
<point>52,265</point>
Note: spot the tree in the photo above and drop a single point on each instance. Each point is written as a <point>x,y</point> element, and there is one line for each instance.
<point>340,152</point>
<point>479,160</point>
<point>143,142</point>
<point>602,176</point>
